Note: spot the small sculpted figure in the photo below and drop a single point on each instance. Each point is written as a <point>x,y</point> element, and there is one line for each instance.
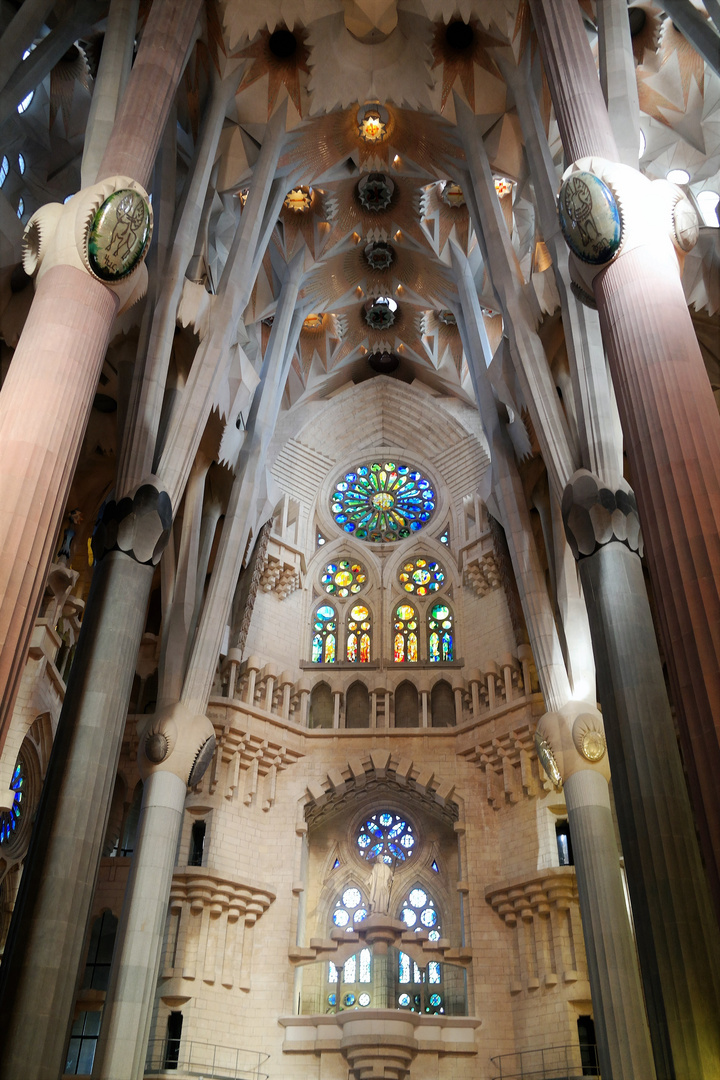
<point>379,886</point>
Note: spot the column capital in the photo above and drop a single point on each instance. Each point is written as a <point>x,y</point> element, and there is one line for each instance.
<point>138,525</point>
<point>572,740</point>
<point>177,740</point>
<point>595,514</point>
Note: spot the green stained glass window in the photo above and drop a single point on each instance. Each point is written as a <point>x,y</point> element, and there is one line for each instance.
<point>383,501</point>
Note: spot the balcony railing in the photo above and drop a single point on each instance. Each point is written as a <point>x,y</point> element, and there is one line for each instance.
<point>572,1062</point>
<point>185,1058</point>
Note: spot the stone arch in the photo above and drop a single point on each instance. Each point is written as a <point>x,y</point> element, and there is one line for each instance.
<point>357,705</point>
<point>320,714</point>
<point>442,704</point>
<point>407,706</point>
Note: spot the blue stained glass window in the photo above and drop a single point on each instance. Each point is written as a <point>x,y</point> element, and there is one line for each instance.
<point>404,1001</point>
<point>350,970</point>
<point>332,973</point>
<point>4,169</point>
<point>324,638</point>
<point>434,866</point>
<point>382,502</point>
<point>9,819</point>
<point>404,968</point>
<point>433,972</point>
<point>440,636</point>
<point>390,835</point>
<point>26,102</point>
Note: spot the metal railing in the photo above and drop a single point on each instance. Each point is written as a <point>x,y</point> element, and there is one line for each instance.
<point>571,1062</point>
<point>180,1057</point>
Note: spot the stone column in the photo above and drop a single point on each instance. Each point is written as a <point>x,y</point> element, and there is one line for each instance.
<point>571,746</point>
<point>612,965</point>
<point>669,416</point>
<point>46,399</point>
<point>677,936</point>
<point>174,738</point>
<point>47,934</point>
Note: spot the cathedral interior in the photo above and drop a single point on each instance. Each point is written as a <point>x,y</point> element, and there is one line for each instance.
<point>360,539</point>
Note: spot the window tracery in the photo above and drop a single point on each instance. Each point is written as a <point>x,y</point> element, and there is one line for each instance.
<point>421,576</point>
<point>344,578</point>
<point>386,835</point>
<point>382,502</point>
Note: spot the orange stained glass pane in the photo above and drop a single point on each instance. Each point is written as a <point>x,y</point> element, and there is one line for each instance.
<point>399,651</point>
<point>412,646</point>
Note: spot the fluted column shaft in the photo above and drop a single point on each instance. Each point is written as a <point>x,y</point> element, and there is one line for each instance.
<point>44,407</point>
<point>47,933</point>
<point>126,1022</point>
<point>623,1041</point>
<point>677,936</point>
<point>46,399</point>
<point>671,426</point>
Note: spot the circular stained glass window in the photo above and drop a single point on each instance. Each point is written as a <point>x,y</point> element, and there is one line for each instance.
<point>422,576</point>
<point>10,819</point>
<point>343,578</point>
<point>383,501</point>
<point>364,1000</point>
<point>435,1000</point>
<point>386,835</point>
<point>359,915</point>
<point>404,1001</point>
<point>349,999</point>
<point>417,898</point>
<point>340,917</point>
<point>351,898</point>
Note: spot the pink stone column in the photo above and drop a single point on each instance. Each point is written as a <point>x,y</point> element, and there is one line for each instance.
<point>44,407</point>
<point>46,399</point>
<point>671,427</point>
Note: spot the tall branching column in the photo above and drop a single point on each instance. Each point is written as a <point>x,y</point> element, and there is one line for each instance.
<point>665,876</point>
<point>46,399</point>
<point>623,1038</point>
<point>178,743</point>
<point>669,416</point>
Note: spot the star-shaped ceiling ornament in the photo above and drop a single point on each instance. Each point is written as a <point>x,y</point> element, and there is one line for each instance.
<point>458,47</point>
<point>281,55</point>
<point>408,137</point>
<point>304,213</point>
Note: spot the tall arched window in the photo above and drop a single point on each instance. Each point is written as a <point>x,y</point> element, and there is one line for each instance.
<point>420,989</point>
<point>405,641</point>
<point>350,984</point>
<point>324,640</point>
<point>441,644</point>
<point>358,635</point>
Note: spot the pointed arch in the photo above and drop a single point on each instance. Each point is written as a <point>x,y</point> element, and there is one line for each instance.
<point>442,705</point>
<point>407,713</point>
<point>357,706</point>
<point>321,710</point>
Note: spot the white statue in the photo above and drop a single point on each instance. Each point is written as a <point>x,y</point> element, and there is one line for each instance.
<point>379,886</point>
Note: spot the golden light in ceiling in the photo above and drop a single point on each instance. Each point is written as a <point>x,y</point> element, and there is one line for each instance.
<point>503,186</point>
<point>299,199</point>
<point>372,127</point>
<point>314,321</point>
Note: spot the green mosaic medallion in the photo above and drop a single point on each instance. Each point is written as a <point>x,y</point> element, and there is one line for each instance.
<point>119,235</point>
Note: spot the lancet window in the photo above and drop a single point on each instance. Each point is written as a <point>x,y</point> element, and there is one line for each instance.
<point>440,634</point>
<point>420,989</point>
<point>357,649</point>
<point>405,638</point>
<point>350,984</point>
<point>324,642</point>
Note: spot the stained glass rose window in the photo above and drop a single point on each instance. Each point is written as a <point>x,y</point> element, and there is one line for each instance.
<point>383,501</point>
